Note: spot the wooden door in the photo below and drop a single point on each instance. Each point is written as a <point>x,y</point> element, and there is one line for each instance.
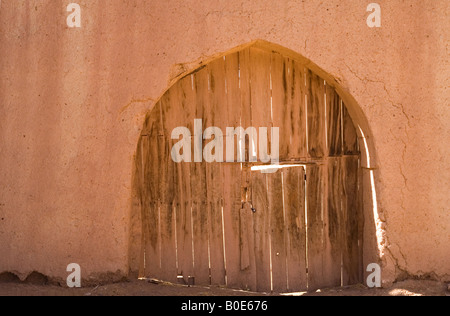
<point>226,223</point>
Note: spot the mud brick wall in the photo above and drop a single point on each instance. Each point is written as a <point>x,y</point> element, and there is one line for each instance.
<point>73,102</point>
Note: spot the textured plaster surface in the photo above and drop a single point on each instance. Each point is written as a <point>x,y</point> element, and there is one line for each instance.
<point>73,100</point>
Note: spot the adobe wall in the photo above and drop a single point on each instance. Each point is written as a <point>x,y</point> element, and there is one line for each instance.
<point>72,103</point>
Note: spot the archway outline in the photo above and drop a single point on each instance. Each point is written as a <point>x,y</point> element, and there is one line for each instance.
<point>373,252</point>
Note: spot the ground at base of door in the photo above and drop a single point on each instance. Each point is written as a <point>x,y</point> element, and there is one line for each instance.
<point>145,288</point>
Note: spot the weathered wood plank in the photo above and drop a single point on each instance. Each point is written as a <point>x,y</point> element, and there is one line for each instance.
<point>350,138</point>
<point>246,235</point>
<point>243,99</point>
<point>184,115</point>
<point>244,85</point>
<point>143,202</point>
<point>281,81</point>
<point>298,149</point>
<point>260,88</point>
<point>217,115</point>
<point>147,197</point>
<point>152,171</point>
<point>361,221</point>
<point>231,207</point>
<point>223,79</point>
<point>333,122</point>
<point>352,213</point>
<point>168,247</point>
<point>214,183</point>
<point>202,85</point>
<point>288,95</point>
<point>167,111</point>
<point>294,204</point>
<point>152,124</point>
<point>277,234</point>
<point>166,182</point>
<point>167,217</point>
<point>261,229</point>
<point>315,229</point>
<point>247,248</point>
<point>184,220</point>
<point>334,223</point>
<point>316,116</point>
<point>200,220</point>
<point>200,223</point>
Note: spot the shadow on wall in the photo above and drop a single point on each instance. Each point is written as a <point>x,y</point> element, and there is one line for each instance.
<point>34,278</point>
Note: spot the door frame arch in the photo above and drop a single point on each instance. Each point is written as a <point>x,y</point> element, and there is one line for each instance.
<point>374,234</point>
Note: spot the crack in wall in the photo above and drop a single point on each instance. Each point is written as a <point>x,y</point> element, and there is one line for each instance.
<point>384,244</point>
<point>398,106</point>
<point>123,109</point>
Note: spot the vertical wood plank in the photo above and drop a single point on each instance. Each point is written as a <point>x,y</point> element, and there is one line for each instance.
<point>151,154</point>
<point>335,223</point>
<point>186,98</point>
<point>315,245</point>
<point>217,115</point>
<point>298,149</point>
<point>260,88</point>
<point>231,209</point>
<point>169,105</point>
<point>188,102</point>
<point>281,101</point>
<point>167,224</point>
<point>245,95</point>
<point>152,249</point>
<point>350,142</point>
<point>202,86</point>
<point>145,206</point>
<point>152,124</point>
<point>214,181</point>
<point>261,230</point>
<point>294,202</point>
<point>261,116</point>
<point>223,75</point>
<point>168,247</point>
<point>316,116</point>
<point>244,219</point>
<point>288,91</point>
<point>200,220</point>
<point>350,205</point>
<point>333,122</point>
<point>259,66</point>
<point>246,235</point>
<point>247,248</point>
<point>361,221</point>
<point>245,98</point>
<point>232,174</point>
<point>183,221</point>
<point>138,248</point>
<point>277,234</point>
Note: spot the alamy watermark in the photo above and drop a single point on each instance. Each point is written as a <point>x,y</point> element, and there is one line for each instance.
<point>74,18</point>
<point>374,18</point>
<point>213,151</point>
<point>374,278</point>
<point>74,278</point>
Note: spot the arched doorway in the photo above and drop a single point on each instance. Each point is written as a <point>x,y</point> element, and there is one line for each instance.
<point>298,227</point>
